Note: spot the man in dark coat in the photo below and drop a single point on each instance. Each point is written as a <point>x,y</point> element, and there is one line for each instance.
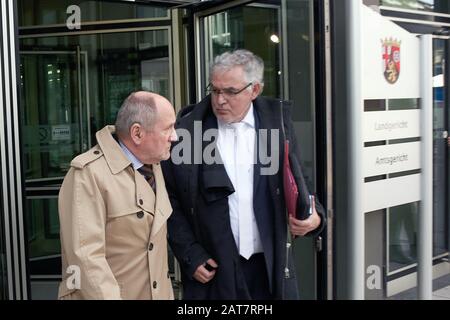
<point>229,227</point>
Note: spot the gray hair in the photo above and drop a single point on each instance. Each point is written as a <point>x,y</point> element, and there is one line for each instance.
<point>252,65</point>
<point>135,109</point>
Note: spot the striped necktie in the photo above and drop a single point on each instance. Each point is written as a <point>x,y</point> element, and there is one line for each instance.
<point>147,172</point>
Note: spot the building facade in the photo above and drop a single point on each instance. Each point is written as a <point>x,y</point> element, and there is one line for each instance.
<point>67,65</point>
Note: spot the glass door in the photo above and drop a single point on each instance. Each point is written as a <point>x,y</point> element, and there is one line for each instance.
<point>54,121</point>
<point>441,147</point>
<point>282,34</point>
<point>72,84</point>
<point>248,26</point>
<point>71,87</point>
<point>55,128</point>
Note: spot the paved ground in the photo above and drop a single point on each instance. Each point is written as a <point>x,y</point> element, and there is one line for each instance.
<point>441,291</point>
<point>442,294</point>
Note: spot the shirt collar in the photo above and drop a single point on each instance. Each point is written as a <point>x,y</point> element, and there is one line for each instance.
<point>134,161</point>
<point>249,119</point>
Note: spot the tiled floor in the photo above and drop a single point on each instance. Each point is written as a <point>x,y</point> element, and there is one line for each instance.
<point>442,294</point>
<point>441,287</point>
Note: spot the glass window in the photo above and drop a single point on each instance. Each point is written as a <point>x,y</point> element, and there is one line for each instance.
<point>73,86</point>
<point>298,71</point>
<point>440,151</point>
<point>442,6</point>
<point>43,228</point>
<point>258,28</point>
<point>55,11</point>
<point>402,226</point>
<point>252,28</point>
<point>403,104</point>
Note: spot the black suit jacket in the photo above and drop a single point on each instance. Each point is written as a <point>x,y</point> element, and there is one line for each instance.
<point>199,227</point>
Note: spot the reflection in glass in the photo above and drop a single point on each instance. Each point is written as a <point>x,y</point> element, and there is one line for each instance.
<point>403,104</point>
<point>51,118</point>
<point>402,223</point>
<point>43,228</point>
<point>251,28</point>
<point>67,95</point>
<point>440,146</point>
<point>299,71</point>
<point>442,6</point>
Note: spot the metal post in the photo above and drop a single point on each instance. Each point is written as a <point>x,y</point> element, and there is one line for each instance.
<point>355,196</point>
<point>425,232</point>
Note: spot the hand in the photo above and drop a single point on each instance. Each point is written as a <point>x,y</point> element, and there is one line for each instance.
<point>202,274</point>
<point>302,227</point>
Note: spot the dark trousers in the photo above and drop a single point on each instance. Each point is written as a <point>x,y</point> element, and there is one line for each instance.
<point>255,273</point>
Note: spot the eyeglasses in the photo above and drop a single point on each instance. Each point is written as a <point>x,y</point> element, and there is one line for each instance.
<point>227,92</point>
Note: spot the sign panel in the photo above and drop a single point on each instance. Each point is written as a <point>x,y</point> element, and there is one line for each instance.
<point>390,125</point>
<point>390,59</point>
<point>389,193</point>
<point>393,158</point>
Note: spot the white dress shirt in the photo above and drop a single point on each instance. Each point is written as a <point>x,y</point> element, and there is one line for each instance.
<point>236,145</point>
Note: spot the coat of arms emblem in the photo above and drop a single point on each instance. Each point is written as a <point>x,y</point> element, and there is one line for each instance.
<point>391,59</point>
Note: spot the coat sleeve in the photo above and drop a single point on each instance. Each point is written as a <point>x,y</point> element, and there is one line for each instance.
<point>82,214</point>
<point>295,152</point>
<point>183,233</point>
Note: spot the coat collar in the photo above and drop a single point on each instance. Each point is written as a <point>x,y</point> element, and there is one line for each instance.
<point>117,161</point>
<point>114,155</point>
<point>268,112</point>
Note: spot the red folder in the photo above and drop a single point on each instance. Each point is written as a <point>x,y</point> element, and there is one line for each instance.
<point>290,186</point>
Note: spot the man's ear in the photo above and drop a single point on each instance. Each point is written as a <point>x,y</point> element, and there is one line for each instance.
<point>256,90</point>
<point>136,133</point>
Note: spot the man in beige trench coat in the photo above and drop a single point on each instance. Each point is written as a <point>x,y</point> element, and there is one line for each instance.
<point>113,226</point>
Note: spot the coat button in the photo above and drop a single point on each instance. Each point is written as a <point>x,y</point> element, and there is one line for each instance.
<point>140,215</point>
<point>141,202</point>
<point>150,247</point>
<point>96,152</point>
<point>278,191</point>
<point>155,284</point>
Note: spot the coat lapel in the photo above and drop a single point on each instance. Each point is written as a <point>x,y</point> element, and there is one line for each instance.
<point>214,180</point>
<point>163,208</point>
<point>268,118</point>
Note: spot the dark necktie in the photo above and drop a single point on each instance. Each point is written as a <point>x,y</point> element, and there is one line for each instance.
<point>147,172</point>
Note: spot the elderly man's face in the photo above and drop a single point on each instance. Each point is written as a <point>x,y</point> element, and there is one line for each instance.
<point>227,106</point>
<point>157,141</point>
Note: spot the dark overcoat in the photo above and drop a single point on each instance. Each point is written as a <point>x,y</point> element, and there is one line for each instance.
<point>199,227</point>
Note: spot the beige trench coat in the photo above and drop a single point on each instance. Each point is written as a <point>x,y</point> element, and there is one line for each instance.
<point>112,227</point>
